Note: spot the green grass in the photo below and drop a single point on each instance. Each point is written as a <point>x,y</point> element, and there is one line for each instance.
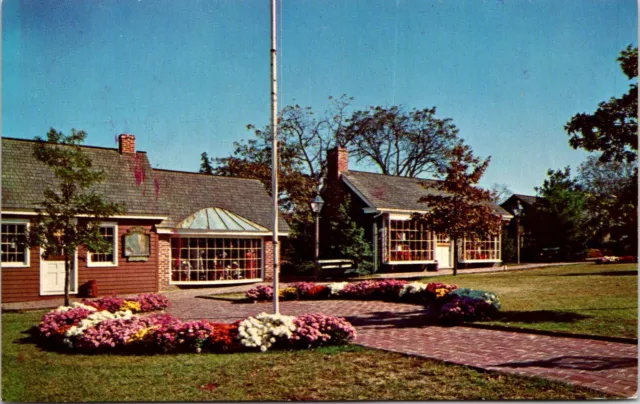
<point>345,373</point>
<point>583,299</point>
<point>233,297</point>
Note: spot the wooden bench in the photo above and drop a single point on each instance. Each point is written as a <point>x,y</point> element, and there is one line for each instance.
<point>335,267</point>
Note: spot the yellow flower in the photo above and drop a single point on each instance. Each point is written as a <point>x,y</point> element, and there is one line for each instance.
<point>130,305</point>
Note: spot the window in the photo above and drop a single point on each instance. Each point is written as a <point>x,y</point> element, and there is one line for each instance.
<point>442,239</point>
<point>482,250</point>
<point>109,232</point>
<point>409,241</point>
<point>215,259</point>
<point>15,252</point>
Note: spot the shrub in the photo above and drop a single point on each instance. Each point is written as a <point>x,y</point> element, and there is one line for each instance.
<point>318,292</point>
<point>628,259</point>
<point>56,322</point>
<point>224,337</point>
<point>143,303</point>
<point>389,288</point>
<point>489,297</point>
<point>594,253</point>
<point>260,292</point>
<point>356,290</point>
<point>313,330</point>
<point>108,303</point>
<point>465,308</point>
<point>288,293</point>
<point>303,288</point>
<point>265,330</point>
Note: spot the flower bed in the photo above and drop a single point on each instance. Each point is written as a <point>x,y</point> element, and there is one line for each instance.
<point>451,304</point>
<point>627,259</point>
<point>86,328</point>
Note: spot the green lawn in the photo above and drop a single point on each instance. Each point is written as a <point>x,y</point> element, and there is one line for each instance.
<point>347,373</point>
<point>584,299</point>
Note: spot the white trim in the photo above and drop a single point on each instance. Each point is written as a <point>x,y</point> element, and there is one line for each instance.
<point>229,282</point>
<point>356,191</point>
<point>409,262</point>
<point>390,210</point>
<point>34,213</point>
<point>399,216</point>
<point>75,280</point>
<point>478,261</point>
<point>216,233</point>
<point>103,264</point>
<point>27,262</point>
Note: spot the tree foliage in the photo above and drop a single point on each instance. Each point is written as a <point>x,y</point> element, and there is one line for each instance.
<point>400,142</point>
<point>613,128</point>
<point>563,205</point>
<point>205,164</point>
<point>346,239</point>
<point>461,209</point>
<point>71,212</point>
<point>611,200</point>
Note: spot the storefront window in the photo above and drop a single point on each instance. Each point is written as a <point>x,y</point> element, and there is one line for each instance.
<point>478,250</point>
<point>409,241</point>
<point>215,259</point>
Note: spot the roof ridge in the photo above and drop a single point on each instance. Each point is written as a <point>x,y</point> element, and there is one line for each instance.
<point>203,174</point>
<point>82,145</point>
<point>392,176</point>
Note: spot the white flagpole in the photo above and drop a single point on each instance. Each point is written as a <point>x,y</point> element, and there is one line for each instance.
<point>274,155</point>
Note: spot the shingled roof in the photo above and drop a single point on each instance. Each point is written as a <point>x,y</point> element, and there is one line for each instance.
<point>186,193</point>
<point>129,178</point>
<point>528,199</point>
<point>397,193</point>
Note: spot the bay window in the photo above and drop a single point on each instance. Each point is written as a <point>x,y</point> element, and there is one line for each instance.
<point>481,250</point>
<point>408,241</point>
<point>205,259</point>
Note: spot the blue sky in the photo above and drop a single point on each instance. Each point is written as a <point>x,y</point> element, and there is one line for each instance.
<point>188,76</point>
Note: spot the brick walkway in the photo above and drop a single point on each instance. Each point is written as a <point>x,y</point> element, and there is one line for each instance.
<point>605,366</point>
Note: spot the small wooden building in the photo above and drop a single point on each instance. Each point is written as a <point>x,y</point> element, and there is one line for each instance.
<point>179,228</point>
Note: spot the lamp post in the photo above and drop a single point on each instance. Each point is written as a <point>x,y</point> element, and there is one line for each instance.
<point>316,206</point>
<point>517,211</point>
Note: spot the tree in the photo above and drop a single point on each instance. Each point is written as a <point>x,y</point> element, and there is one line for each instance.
<point>399,142</point>
<point>346,239</point>
<point>563,204</point>
<point>611,200</point>
<point>205,165</point>
<point>613,128</point>
<point>500,192</point>
<point>461,210</point>
<point>71,213</point>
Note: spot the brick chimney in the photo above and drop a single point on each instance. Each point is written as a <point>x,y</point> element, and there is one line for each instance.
<point>337,162</point>
<point>126,143</point>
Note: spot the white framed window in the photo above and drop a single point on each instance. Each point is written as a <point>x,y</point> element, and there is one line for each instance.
<point>15,251</point>
<point>109,232</point>
<point>213,259</point>
<point>481,250</point>
<point>408,241</point>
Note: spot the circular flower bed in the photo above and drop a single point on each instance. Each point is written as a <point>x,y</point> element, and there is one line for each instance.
<point>452,304</point>
<point>109,325</point>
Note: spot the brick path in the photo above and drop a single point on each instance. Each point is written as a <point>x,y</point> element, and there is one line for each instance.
<point>605,366</point>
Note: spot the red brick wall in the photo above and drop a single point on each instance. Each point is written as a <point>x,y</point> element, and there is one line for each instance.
<point>127,143</point>
<point>164,261</point>
<point>268,259</point>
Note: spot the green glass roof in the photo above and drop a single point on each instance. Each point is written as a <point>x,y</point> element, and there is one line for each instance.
<point>218,219</point>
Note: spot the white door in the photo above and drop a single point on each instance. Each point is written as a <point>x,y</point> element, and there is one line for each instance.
<point>52,276</point>
<point>443,252</point>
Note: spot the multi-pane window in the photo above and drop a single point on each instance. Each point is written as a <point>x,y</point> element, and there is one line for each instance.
<point>476,250</point>
<point>409,240</point>
<point>215,259</point>
<point>14,246</point>
<point>442,238</point>
<point>108,232</point>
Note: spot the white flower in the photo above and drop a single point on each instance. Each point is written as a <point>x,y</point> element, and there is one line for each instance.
<point>412,288</point>
<point>336,287</point>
